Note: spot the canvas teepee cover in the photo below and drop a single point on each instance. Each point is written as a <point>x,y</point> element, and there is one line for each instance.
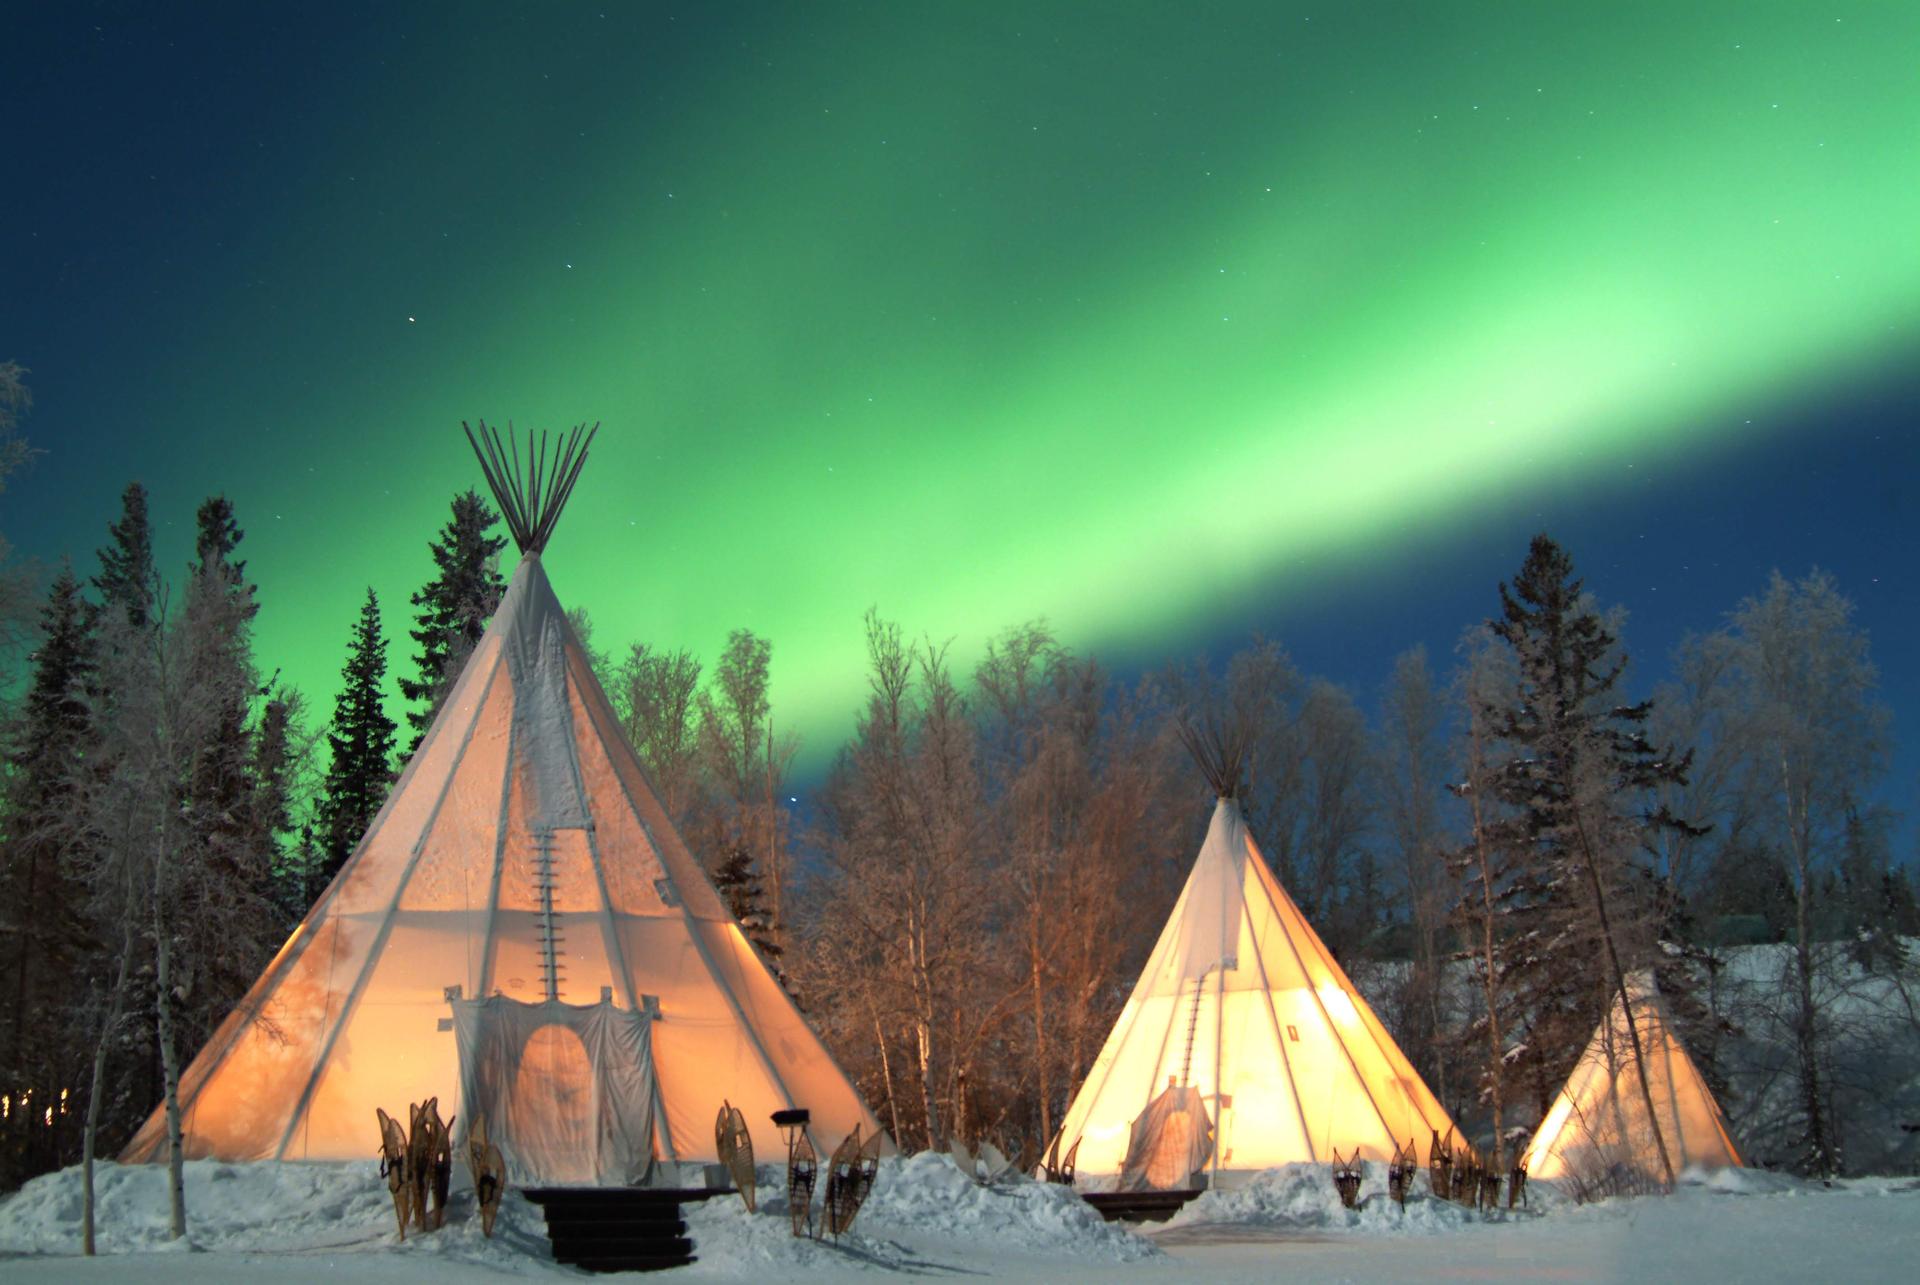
<point>1241,1004</point>
<point>1599,1124</point>
<point>521,855</point>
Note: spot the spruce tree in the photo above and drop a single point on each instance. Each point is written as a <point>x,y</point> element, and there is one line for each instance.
<point>216,536</point>
<point>1580,779</point>
<point>44,931</point>
<point>454,606</point>
<point>227,942</point>
<point>274,771</point>
<point>361,739</point>
<point>737,879</point>
<point>126,580</point>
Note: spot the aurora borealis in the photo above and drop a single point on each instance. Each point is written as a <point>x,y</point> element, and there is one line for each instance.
<point>1131,317</point>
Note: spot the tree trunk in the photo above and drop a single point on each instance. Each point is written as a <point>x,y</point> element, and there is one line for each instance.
<point>170,1068</point>
<point>886,1076</point>
<point>1591,861</point>
<point>1042,1079</point>
<point>1489,975</point>
<point>1819,1145</point>
<point>108,1026</point>
<point>923,1027</point>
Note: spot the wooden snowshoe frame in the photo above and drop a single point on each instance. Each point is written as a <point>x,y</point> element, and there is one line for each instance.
<point>489,1170</point>
<point>1400,1171</point>
<point>439,1151</point>
<point>1346,1178</point>
<point>870,1162</point>
<point>1466,1180</point>
<point>803,1166</point>
<point>423,1128</point>
<point>734,1145</point>
<point>394,1157</point>
<point>1440,1165</point>
<point>849,1178</point>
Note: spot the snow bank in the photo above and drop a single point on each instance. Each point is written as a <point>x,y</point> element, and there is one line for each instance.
<point>919,1205</point>
<point>1301,1197</point>
<point>921,1209</point>
<point>1739,1182</point>
<point>260,1208</point>
<point>928,1191</point>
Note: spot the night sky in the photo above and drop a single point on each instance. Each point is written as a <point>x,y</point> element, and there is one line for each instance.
<point>1167,322</point>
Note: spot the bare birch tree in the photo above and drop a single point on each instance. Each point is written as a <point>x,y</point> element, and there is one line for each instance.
<point>1812,733</point>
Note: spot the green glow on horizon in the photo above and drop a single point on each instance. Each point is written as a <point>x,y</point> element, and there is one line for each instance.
<point>1012,316</point>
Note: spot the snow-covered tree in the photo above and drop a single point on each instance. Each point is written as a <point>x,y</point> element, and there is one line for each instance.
<point>1811,732</point>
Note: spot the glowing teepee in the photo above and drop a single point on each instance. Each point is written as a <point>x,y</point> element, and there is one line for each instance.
<point>1598,1128</point>
<point>521,915</point>
<point>1244,1045</point>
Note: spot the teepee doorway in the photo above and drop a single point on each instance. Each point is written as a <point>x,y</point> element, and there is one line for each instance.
<point>567,1091</point>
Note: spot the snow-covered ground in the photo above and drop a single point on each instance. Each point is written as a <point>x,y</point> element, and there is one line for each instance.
<point>307,1222</point>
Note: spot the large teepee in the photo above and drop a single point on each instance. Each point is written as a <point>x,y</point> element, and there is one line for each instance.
<point>521,915</point>
<point>1243,1045</point>
<point>1597,1132</point>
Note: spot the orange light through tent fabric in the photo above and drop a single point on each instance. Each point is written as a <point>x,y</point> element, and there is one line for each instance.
<point>1598,1125</point>
<point>1242,1002</point>
<point>522,854</point>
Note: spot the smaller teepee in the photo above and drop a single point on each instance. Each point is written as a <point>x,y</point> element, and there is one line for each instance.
<point>1243,1045</point>
<point>1597,1136</point>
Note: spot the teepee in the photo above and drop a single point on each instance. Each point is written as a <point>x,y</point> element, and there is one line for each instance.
<point>1243,1045</point>
<point>1598,1133</point>
<point>520,932</point>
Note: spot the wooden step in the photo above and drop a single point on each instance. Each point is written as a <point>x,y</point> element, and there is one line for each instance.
<point>617,1229</point>
<point>1138,1206</point>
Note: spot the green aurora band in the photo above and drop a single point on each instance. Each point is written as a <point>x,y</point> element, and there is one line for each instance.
<point>1117,320</point>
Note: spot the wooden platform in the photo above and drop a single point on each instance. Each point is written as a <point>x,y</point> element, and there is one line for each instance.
<point>1138,1206</point>
<point>618,1229</point>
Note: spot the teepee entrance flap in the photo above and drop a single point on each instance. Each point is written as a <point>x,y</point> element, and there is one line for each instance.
<point>568,1091</point>
<point>1170,1143</point>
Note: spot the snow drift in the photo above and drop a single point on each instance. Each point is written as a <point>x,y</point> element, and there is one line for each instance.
<point>263,1207</point>
<point>1301,1197</point>
<point>918,1206</point>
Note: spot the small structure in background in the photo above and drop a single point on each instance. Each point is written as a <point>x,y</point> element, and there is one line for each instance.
<point>1599,1139</point>
<point>1346,1179</point>
<point>735,1147</point>
<point>803,1167</point>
